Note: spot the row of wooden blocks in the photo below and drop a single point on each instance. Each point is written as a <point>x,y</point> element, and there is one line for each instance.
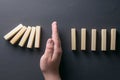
<point>23,33</point>
<point>94,38</point>
<point>32,34</point>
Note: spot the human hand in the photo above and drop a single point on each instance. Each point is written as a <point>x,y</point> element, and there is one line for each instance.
<point>50,61</point>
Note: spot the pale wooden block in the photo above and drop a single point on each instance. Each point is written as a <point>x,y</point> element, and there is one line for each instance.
<point>103,39</point>
<point>31,38</point>
<point>37,37</point>
<point>83,39</point>
<point>13,32</point>
<point>73,39</point>
<point>93,39</point>
<point>25,37</point>
<point>113,39</point>
<point>18,35</point>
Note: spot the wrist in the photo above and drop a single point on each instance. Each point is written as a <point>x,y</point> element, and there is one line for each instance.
<point>52,77</point>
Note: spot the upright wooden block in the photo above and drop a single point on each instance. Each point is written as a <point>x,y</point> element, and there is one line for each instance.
<point>93,39</point>
<point>25,37</point>
<point>37,37</point>
<point>18,35</point>
<point>73,39</point>
<point>13,32</point>
<point>83,39</point>
<point>31,38</point>
<point>113,39</point>
<point>103,39</point>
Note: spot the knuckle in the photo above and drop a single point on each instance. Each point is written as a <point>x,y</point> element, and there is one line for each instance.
<point>59,51</point>
<point>49,47</point>
<point>50,61</point>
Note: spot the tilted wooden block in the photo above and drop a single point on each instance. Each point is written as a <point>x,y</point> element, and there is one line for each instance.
<point>83,39</point>
<point>113,39</point>
<point>31,38</point>
<point>13,32</point>
<point>18,35</point>
<point>103,39</point>
<point>93,39</point>
<point>37,37</point>
<point>73,39</point>
<point>25,37</point>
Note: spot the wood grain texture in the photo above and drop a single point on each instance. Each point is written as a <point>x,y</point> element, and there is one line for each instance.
<point>37,37</point>
<point>31,38</point>
<point>83,39</point>
<point>18,35</point>
<point>13,32</point>
<point>25,37</point>
<point>103,39</point>
<point>113,39</point>
<point>93,39</point>
<point>73,39</point>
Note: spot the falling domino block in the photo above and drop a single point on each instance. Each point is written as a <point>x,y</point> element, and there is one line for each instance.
<point>18,35</point>
<point>103,39</point>
<point>113,39</point>
<point>31,38</point>
<point>25,37</point>
<point>73,39</point>
<point>83,39</point>
<point>93,39</point>
<point>13,32</point>
<point>37,36</point>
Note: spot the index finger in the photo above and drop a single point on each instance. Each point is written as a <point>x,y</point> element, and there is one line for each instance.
<point>57,43</point>
<point>55,34</point>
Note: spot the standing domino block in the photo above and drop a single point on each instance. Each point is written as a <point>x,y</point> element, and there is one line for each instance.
<point>25,37</point>
<point>13,32</point>
<point>37,36</point>
<point>103,39</point>
<point>31,38</point>
<point>113,39</point>
<point>73,39</point>
<point>83,39</point>
<point>18,35</point>
<point>93,39</point>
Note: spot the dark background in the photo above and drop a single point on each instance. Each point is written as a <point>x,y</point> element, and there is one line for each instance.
<point>23,64</point>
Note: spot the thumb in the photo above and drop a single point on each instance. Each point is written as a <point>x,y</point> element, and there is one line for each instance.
<point>49,48</point>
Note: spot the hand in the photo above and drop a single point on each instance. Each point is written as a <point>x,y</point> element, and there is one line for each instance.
<point>50,61</point>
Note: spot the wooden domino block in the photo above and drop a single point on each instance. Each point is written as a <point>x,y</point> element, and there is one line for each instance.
<point>103,39</point>
<point>25,37</point>
<point>13,32</point>
<point>83,39</point>
<point>31,38</point>
<point>37,37</point>
<point>73,39</point>
<point>18,35</point>
<point>113,39</point>
<point>93,39</point>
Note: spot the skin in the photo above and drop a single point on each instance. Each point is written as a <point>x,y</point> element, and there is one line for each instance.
<point>50,60</point>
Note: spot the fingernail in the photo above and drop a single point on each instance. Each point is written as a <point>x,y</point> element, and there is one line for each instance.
<point>50,41</point>
<point>54,22</point>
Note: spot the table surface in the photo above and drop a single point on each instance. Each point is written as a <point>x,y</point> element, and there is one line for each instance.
<point>23,64</point>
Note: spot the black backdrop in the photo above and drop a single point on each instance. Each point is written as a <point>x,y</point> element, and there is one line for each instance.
<point>23,64</point>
